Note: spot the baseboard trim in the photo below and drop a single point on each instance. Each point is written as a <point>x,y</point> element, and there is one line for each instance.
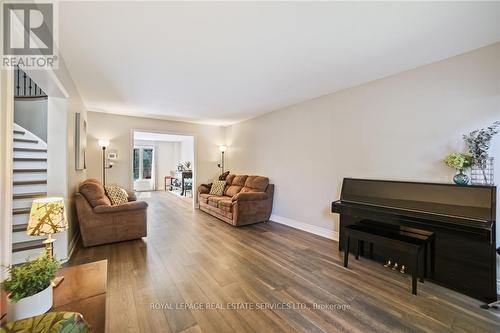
<point>313,229</point>
<point>72,246</point>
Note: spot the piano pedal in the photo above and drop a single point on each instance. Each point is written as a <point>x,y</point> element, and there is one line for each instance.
<point>388,264</point>
<point>395,267</point>
<point>402,270</point>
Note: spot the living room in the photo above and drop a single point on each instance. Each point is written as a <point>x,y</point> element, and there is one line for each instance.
<point>341,171</point>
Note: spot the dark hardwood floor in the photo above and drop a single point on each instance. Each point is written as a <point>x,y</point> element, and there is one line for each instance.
<point>190,258</point>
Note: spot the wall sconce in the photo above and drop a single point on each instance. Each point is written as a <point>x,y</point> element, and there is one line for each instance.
<point>104,143</point>
<point>222,150</point>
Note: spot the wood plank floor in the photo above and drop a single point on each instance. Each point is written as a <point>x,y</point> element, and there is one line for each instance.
<point>294,281</point>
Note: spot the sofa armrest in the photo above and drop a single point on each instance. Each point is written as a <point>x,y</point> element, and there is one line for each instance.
<point>131,196</point>
<point>250,196</point>
<point>204,188</point>
<point>129,206</point>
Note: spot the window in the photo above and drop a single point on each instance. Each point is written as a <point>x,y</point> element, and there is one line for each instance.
<point>143,163</point>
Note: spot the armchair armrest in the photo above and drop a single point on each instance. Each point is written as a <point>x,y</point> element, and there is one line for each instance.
<point>129,206</point>
<point>250,196</point>
<point>204,188</point>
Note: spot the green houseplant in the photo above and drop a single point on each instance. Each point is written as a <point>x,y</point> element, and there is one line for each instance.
<point>29,287</point>
<point>478,143</point>
<point>459,162</point>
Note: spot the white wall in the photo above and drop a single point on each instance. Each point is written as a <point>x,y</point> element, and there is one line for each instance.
<point>63,179</point>
<point>399,127</point>
<point>118,129</point>
<point>31,114</point>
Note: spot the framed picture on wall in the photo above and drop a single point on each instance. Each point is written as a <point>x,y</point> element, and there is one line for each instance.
<point>80,142</point>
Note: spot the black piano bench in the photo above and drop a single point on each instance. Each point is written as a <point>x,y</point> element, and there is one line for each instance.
<point>414,245</point>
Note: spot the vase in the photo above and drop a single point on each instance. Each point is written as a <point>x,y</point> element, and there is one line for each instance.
<point>31,306</point>
<point>483,176</point>
<point>461,178</point>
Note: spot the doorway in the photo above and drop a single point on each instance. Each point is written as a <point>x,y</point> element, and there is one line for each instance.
<point>164,162</point>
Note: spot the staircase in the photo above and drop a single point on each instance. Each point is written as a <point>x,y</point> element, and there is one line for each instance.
<point>29,183</point>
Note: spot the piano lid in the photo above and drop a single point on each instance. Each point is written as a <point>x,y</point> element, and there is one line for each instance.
<point>467,202</point>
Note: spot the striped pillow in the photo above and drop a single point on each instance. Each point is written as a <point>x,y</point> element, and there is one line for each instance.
<point>218,187</point>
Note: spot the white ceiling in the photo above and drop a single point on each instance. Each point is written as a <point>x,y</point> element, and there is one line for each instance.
<point>224,62</point>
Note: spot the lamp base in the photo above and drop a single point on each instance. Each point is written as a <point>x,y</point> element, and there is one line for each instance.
<point>57,281</point>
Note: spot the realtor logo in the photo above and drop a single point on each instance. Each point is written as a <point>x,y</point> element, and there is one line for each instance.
<point>28,35</point>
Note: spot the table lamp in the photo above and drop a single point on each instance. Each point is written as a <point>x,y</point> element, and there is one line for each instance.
<point>47,217</point>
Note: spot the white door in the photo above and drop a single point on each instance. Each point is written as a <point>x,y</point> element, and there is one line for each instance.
<point>143,168</point>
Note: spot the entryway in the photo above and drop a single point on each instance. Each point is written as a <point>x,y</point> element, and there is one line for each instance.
<point>163,162</point>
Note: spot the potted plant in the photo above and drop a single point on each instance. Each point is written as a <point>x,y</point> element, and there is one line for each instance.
<point>187,166</point>
<point>29,287</point>
<point>460,162</point>
<point>478,143</point>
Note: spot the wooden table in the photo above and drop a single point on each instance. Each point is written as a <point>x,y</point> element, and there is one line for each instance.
<point>84,290</point>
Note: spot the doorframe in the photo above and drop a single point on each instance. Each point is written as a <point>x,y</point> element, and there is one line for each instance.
<point>195,155</point>
<point>6,135</point>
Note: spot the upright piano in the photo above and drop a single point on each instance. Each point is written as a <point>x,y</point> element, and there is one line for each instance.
<point>462,219</point>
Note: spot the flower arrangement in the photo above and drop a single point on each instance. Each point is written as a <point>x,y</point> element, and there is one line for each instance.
<point>458,161</point>
<point>478,143</point>
<point>31,277</point>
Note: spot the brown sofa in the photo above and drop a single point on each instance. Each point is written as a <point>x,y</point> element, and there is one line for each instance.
<point>102,223</point>
<point>246,200</point>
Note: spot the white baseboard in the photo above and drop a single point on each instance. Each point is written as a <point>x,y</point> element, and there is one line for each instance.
<point>313,229</point>
<point>72,246</point>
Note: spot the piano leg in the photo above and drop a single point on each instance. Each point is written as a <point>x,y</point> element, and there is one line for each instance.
<point>414,275</point>
<point>346,252</point>
<point>358,248</point>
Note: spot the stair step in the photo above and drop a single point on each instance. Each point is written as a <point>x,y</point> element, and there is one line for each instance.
<point>34,150</point>
<point>25,140</point>
<point>29,195</point>
<point>19,132</point>
<point>30,159</point>
<point>29,170</point>
<point>28,245</point>
<point>19,227</point>
<point>20,211</point>
<point>29,182</point>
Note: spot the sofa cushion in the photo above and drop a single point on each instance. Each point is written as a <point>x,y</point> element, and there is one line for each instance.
<point>226,205</point>
<point>255,184</point>
<point>239,180</point>
<point>233,190</point>
<point>204,197</point>
<point>229,179</point>
<point>93,191</point>
<point>214,200</point>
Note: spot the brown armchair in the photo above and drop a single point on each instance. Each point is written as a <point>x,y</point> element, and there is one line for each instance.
<point>102,223</point>
<point>246,200</point>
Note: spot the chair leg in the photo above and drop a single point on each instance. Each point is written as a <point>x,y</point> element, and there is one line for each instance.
<point>346,252</point>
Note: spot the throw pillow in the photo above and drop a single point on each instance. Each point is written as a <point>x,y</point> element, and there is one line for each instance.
<point>116,195</point>
<point>218,187</point>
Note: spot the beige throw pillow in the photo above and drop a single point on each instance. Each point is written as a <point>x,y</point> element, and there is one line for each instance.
<point>116,195</point>
<point>218,187</point>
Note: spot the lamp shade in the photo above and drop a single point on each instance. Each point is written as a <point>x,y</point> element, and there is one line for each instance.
<point>47,216</point>
<point>222,148</point>
<point>103,142</point>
